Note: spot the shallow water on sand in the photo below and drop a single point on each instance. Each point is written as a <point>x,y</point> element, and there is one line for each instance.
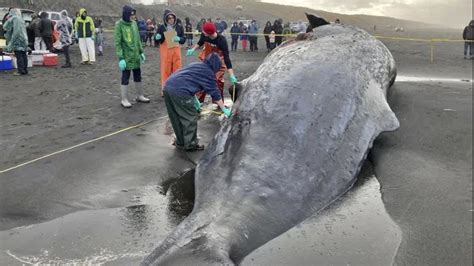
<point>354,230</point>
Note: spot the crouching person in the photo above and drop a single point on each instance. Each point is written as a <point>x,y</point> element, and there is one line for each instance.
<point>129,49</point>
<point>183,106</point>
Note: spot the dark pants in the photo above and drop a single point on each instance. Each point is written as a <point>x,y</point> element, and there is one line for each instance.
<point>137,76</point>
<point>253,43</point>
<point>234,43</point>
<point>267,42</point>
<point>278,40</point>
<point>468,47</point>
<point>66,54</point>
<point>49,43</point>
<point>183,116</point>
<point>22,62</point>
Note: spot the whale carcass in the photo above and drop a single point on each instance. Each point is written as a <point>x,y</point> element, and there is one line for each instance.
<point>303,125</point>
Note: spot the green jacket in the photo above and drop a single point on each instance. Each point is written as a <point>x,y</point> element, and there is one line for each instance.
<point>84,27</point>
<point>15,32</point>
<point>128,45</point>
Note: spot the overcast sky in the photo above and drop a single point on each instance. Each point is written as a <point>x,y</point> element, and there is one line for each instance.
<point>452,13</point>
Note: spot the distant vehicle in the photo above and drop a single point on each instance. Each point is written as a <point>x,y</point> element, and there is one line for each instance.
<point>295,26</point>
<point>245,22</point>
<point>239,8</point>
<point>25,14</point>
<point>52,15</point>
<point>399,29</point>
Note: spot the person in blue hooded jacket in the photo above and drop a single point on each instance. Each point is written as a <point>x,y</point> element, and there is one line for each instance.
<point>181,103</point>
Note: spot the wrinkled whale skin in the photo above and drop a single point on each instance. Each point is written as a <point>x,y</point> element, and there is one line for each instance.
<point>301,129</point>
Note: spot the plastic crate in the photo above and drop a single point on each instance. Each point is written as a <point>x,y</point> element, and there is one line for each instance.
<point>50,60</point>
<point>6,63</point>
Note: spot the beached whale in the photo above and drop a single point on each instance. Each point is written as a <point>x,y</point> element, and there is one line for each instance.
<point>302,127</point>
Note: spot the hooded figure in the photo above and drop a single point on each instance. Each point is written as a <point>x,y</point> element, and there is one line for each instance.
<point>170,57</point>
<point>182,105</point>
<point>46,30</point>
<point>468,35</point>
<point>85,33</point>
<point>17,39</point>
<point>235,33</point>
<point>64,27</point>
<point>129,50</point>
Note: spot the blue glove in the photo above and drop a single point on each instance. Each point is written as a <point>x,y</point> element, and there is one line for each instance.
<point>122,64</point>
<point>142,58</point>
<point>157,36</point>
<point>76,35</point>
<point>197,104</point>
<point>190,52</point>
<point>226,112</point>
<point>93,37</point>
<point>176,39</point>
<point>233,79</point>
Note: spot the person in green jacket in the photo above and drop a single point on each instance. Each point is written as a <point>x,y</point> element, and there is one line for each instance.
<point>129,49</point>
<point>85,32</point>
<point>17,40</point>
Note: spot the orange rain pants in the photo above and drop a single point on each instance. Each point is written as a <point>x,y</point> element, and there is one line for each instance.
<point>170,62</point>
<point>208,49</point>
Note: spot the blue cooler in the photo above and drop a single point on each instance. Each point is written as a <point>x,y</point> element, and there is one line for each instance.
<point>6,63</point>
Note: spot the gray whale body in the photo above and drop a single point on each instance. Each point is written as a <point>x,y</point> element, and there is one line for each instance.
<point>303,125</point>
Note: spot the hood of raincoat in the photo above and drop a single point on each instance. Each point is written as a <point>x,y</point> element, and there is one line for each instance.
<point>15,32</point>
<point>64,14</point>
<point>82,11</point>
<point>166,14</point>
<point>471,23</point>
<point>214,62</point>
<point>127,13</point>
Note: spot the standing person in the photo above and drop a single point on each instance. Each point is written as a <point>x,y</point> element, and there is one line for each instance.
<point>64,27</point>
<point>150,31</point>
<point>235,33</point>
<point>142,29</point>
<point>468,35</point>
<point>129,49</point>
<point>214,43</point>
<point>46,31</point>
<point>286,31</point>
<point>278,31</point>
<point>244,38</point>
<point>180,100</point>
<point>253,38</point>
<point>199,25</point>
<point>268,28</point>
<point>85,30</point>
<point>189,32</point>
<point>35,28</point>
<point>17,40</point>
<point>271,40</point>
<point>99,39</point>
<point>170,57</point>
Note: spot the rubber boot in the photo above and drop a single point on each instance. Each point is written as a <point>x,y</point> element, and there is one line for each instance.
<point>125,103</point>
<point>140,97</point>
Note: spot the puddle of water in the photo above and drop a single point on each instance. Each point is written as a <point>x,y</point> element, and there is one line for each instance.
<point>119,236</point>
<point>431,79</point>
<point>354,230</point>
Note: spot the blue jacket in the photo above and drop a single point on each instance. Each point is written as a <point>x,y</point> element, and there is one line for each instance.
<point>196,77</point>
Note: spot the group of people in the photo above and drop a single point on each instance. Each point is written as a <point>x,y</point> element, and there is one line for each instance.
<point>52,36</point>
<point>183,88</point>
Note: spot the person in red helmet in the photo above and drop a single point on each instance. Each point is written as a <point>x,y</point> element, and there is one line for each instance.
<point>214,42</point>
